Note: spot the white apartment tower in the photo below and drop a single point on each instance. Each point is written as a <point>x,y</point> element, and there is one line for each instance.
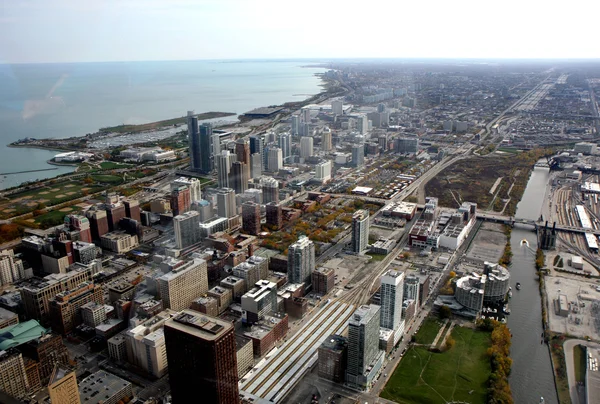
<point>391,292</point>
<point>306,146</point>
<point>187,229</point>
<point>301,260</point>
<point>360,231</point>
<point>182,285</point>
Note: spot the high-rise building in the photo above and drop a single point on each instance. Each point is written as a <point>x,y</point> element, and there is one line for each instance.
<point>363,124</point>
<point>391,292</point>
<point>98,223</point>
<point>193,185</point>
<point>114,213</point>
<point>63,386</point>
<point>411,288</point>
<point>275,159</point>
<point>180,200</point>
<point>81,224</point>
<point>145,344</point>
<point>11,268</point>
<point>193,140</point>
<point>215,141</point>
<point>259,301</point>
<point>48,351</point>
<point>274,215</point>
<point>295,125</point>
<point>200,158</point>
<point>358,155</point>
<point>360,231</point>
<point>285,144</point>
<point>251,218</point>
<point>13,377</point>
<point>183,284</point>
<point>306,115</point>
<point>407,145</point>
<point>363,345</point>
<point>242,150</point>
<point>223,163</point>
<point>65,313</point>
<point>301,260</point>
<point>257,144</point>
<point>323,171</point>
<point>323,280</point>
<point>187,229</point>
<point>202,358</point>
<point>270,189</point>
<point>326,140</point>
<point>93,314</point>
<point>239,177</point>
<point>337,107</point>
<point>306,146</point>
<point>226,206</point>
<point>132,209</point>
<point>256,165</point>
<point>332,358</point>
<point>204,208</point>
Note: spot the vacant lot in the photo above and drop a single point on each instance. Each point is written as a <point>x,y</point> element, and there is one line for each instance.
<point>459,374</point>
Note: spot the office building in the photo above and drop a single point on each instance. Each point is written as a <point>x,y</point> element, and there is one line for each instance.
<point>391,293</point>
<point>11,268</point>
<point>360,231</point>
<point>295,125</point>
<point>244,355</point>
<point>323,280</point>
<point>270,189</point>
<point>226,205</point>
<point>306,146</point>
<point>274,215</point>
<point>7,318</point>
<point>80,224</point>
<point>133,210</point>
<point>358,155</point>
<point>223,164</point>
<point>48,350</point>
<point>223,296</point>
<point>240,174</point>
<point>212,226</point>
<point>105,388</point>
<point>65,312</point>
<point>193,140</point>
<point>407,145</point>
<point>364,357</point>
<point>363,124</point>
<point>256,165</point>
<point>251,218</point>
<point>207,305</point>
<point>275,159</point>
<point>84,252</point>
<point>63,386</point>
<point>242,151</point>
<point>411,289</point>
<point>200,147</point>
<point>119,241</point>
<point>98,223</point>
<point>285,144</point>
<point>193,184</point>
<point>93,314</point>
<point>115,211</point>
<point>204,208</point>
<point>183,284</point>
<point>337,107</point>
<point>205,348</point>
<point>187,229</point>
<point>326,140</point>
<point>13,377</point>
<point>332,358</point>
<point>237,286</point>
<point>181,200</point>
<point>257,145</point>
<point>301,260</point>
<point>145,344</point>
<point>259,301</point>
<point>323,171</point>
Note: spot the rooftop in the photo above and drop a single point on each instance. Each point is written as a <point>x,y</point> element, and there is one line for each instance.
<point>100,386</point>
<point>334,343</point>
<point>21,333</point>
<point>199,325</point>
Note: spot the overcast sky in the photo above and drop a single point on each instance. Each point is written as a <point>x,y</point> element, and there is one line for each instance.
<point>124,30</point>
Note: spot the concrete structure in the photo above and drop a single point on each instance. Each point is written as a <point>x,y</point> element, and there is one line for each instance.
<point>223,163</point>
<point>239,177</point>
<point>306,146</point>
<point>274,215</point>
<point>146,347</point>
<point>119,241</point>
<point>360,231</point>
<point>497,283</point>
<point>270,189</point>
<point>226,205</point>
<point>244,355</point>
<point>223,296</point>
<point>180,287</point>
<point>332,358</point>
<point>251,218</point>
<point>285,144</point>
<point>358,155</point>
<point>323,280</point>
<point>117,348</point>
<point>407,145</point>
<point>470,291</point>
<point>364,357</point>
<point>193,184</point>
<point>411,288</point>
<point>181,200</point>
<point>256,165</point>
<point>93,313</point>
<point>7,318</point>
<point>274,159</point>
<point>205,349</point>
<point>63,386</point>
<point>301,260</point>
<point>323,171</point>
<point>187,229</point>
<point>585,148</point>
<point>13,378</point>
<point>259,301</point>
<point>326,141</point>
<point>104,388</point>
<point>65,312</point>
<point>391,292</point>
<point>11,268</point>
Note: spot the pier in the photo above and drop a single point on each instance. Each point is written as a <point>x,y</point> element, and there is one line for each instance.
<point>30,171</point>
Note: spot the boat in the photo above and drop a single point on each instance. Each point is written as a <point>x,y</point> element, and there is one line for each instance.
<point>524,241</point>
<point>518,286</point>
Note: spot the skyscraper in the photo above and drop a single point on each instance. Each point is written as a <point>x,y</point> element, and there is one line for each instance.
<point>270,189</point>
<point>256,165</point>
<point>363,124</point>
<point>251,218</point>
<point>223,165</point>
<point>226,206</point>
<point>275,160</point>
<point>360,231</point>
<point>200,139</point>
<point>323,171</point>
<point>285,144</point>
<point>274,215</point>
<point>180,200</point>
<point>187,229</point>
<point>337,107</point>
<point>306,146</point>
<point>301,260</point>
<point>202,359</point>
<point>363,344</point>
<point>358,155</point>
<point>193,140</point>
<point>242,150</point>
<point>239,177</point>
<point>295,124</point>
<point>257,144</point>
<point>183,284</point>
<point>98,223</point>
<point>326,140</point>
<point>392,290</point>
<point>192,183</point>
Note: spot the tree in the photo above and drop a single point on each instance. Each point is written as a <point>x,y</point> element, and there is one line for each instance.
<point>452,274</point>
<point>450,342</point>
<point>445,312</point>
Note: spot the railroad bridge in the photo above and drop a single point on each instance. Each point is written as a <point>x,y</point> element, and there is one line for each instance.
<point>536,224</point>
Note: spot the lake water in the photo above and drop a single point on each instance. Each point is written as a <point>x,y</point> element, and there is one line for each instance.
<point>62,100</point>
<point>531,376</point>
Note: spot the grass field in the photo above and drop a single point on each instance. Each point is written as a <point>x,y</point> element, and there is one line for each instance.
<point>108,165</point>
<point>459,374</point>
<point>428,331</point>
<point>54,216</point>
<point>107,179</point>
<point>579,357</point>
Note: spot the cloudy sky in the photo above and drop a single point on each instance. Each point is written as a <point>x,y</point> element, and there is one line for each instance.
<point>125,30</point>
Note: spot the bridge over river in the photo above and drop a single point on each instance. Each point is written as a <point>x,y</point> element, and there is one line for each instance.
<point>511,221</point>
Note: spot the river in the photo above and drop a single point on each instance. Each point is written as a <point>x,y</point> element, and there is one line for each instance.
<point>531,376</point>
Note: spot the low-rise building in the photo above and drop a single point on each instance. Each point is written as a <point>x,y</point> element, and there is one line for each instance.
<point>119,241</point>
<point>323,280</point>
<point>104,388</point>
<point>266,332</point>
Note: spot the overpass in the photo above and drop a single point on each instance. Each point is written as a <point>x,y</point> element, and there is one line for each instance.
<point>511,221</point>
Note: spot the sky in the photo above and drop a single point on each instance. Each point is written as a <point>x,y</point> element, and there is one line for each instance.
<point>42,31</point>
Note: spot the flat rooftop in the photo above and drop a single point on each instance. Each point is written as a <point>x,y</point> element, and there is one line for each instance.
<point>199,324</point>
<point>97,387</point>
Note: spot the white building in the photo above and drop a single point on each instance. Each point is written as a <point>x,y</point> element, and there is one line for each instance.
<point>187,229</point>
<point>301,260</point>
<point>323,171</point>
<point>183,284</point>
<point>306,146</point>
<point>360,231</point>
<point>193,185</point>
<point>274,159</point>
<point>392,291</point>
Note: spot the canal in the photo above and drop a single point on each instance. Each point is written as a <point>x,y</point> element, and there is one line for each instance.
<point>531,376</point>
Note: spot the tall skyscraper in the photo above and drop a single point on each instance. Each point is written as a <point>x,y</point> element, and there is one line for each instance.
<point>363,343</point>
<point>337,107</point>
<point>295,124</point>
<point>323,171</point>
<point>326,140</point>
<point>98,223</point>
<point>275,160</point>
<point>274,215</point>
<point>242,150</point>
<point>285,144</point>
<point>202,359</point>
<point>187,229</point>
<point>306,115</point>
<point>270,189</point>
<point>363,124</point>
<point>251,218</point>
<point>306,146</point>
<point>392,290</point>
<point>358,155</point>
<point>301,260</point>
<point>360,231</point>
<point>193,140</point>
<point>239,177</point>
<point>200,139</point>
<point>183,284</point>
<point>223,163</point>
<point>133,210</point>
<point>192,183</point>
<point>180,200</point>
<point>226,206</point>
<point>257,145</point>
<point>63,386</point>
<point>256,165</point>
